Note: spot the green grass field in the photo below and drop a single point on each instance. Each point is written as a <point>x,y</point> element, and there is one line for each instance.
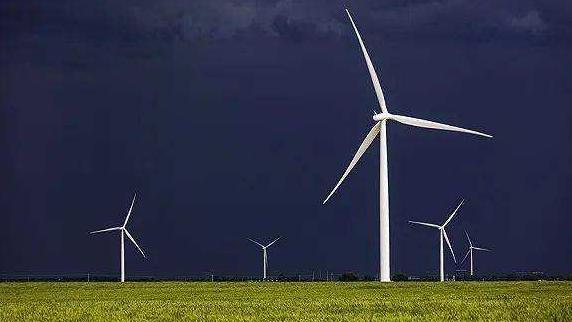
<point>255,301</point>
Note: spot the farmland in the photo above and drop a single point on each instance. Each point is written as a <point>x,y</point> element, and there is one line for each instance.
<point>257,301</point>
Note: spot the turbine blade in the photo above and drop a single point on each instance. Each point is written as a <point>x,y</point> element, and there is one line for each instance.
<point>361,150</point>
<point>449,243</point>
<point>466,256</point>
<point>134,242</point>
<point>479,248</point>
<point>434,125</point>
<point>470,243</point>
<point>370,68</point>
<point>257,243</point>
<point>104,230</point>
<point>424,224</point>
<point>275,240</point>
<point>130,209</point>
<point>454,213</point>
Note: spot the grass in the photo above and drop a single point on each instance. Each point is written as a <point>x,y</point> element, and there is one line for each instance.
<point>255,301</point>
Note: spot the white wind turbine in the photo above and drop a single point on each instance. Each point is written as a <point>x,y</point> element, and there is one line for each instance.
<point>470,251</point>
<point>442,234</point>
<point>380,128</point>
<point>124,232</point>
<point>264,256</point>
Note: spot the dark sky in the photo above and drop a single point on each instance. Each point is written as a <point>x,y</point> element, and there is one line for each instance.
<point>234,119</point>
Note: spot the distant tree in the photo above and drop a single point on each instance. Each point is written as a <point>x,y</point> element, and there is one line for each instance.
<point>568,277</point>
<point>349,277</point>
<point>400,277</point>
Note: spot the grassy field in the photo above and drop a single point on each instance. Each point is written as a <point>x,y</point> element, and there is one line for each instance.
<point>255,301</point>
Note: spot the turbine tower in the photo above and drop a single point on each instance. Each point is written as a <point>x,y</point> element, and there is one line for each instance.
<point>470,251</point>
<point>264,256</point>
<point>380,126</point>
<point>124,232</point>
<point>442,234</point>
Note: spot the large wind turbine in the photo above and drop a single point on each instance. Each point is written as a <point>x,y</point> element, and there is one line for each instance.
<point>470,251</point>
<point>124,232</point>
<point>380,128</point>
<point>442,234</point>
<point>264,256</point>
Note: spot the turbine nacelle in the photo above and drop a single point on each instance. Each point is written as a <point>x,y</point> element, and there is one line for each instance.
<point>382,116</point>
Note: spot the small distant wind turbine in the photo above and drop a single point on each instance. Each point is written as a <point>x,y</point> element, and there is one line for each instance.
<point>442,234</point>
<point>265,256</point>
<point>381,119</point>
<point>470,251</point>
<point>124,232</point>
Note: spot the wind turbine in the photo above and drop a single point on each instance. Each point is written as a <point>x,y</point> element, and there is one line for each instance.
<point>470,251</point>
<point>442,234</point>
<point>265,256</point>
<point>124,232</point>
<point>381,120</point>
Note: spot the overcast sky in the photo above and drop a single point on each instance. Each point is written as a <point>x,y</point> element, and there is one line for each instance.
<point>234,119</point>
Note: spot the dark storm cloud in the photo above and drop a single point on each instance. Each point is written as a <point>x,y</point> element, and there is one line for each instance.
<point>237,116</point>
<point>290,19</point>
<point>473,20</point>
<point>298,19</point>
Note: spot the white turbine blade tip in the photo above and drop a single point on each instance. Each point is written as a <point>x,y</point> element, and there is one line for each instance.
<point>454,213</point>
<point>466,256</point>
<point>371,135</point>
<point>134,242</point>
<point>130,210</point>
<point>468,238</point>
<point>435,125</point>
<point>105,230</point>
<point>257,243</point>
<point>272,242</point>
<point>424,224</point>
<point>370,67</point>
<point>350,16</point>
